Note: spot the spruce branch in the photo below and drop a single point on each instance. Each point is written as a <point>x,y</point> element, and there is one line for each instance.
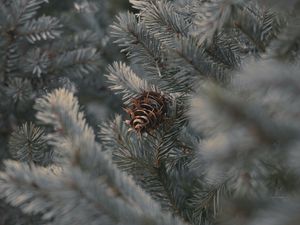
<point>62,111</point>
<point>124,81</point>
<point>142,4</point>
<point>206,202</point>
<point>133,156</point>
<point>43,28</point>
<point>28,144</point>
<point>162,20</point>
<point>83,40</point>
<point>180,156</point>
<point>213,15</point>
<point>193,60</point>
<point>138,44</point>
<point>24,10</point>
<point>20,91</point>
<point>78,62</point>
<point>146,159</point>
<point>22,180</point>
<point>46,193</point>
<point>37,62</point>
<point>258,25</point>
<point>11,59</point>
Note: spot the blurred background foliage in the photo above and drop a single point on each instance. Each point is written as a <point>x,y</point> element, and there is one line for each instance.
<point>56,6</point>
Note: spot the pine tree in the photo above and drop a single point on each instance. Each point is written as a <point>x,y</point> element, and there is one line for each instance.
<point>211,135</point>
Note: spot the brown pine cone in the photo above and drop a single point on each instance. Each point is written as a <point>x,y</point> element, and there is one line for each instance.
<point>147,112</point>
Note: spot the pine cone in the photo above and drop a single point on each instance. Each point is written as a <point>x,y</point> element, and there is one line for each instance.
<point>147,112</point>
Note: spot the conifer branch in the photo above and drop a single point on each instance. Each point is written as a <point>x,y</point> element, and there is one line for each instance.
<point>28,144</point>
<point>139,45</point>
<point>43,28</point>
<point>287,41</point>
<point>87,154</point>
<point>24,10</point>
<point>124,81</point>
<point>164,23</point>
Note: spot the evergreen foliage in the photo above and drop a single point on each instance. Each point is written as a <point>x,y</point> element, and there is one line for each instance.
<point>29,144</point>
<point>39,53</point>
<point>33,57</point>
<point>227,151</point>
